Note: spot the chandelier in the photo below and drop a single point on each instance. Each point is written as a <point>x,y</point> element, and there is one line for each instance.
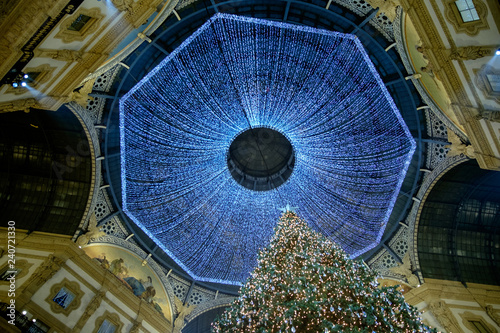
<point>245,117</point>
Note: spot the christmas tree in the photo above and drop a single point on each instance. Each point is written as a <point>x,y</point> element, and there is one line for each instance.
<point>305,283</point>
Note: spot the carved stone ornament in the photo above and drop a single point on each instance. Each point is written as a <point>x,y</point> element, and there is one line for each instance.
<point>444,316</point>
<point>93,232</point>
<point>183,311</point>
<point>405,269</point>
<point>123,5</point>
<point>81,96</point>
<point>457,147</point>
<point>135,327</point>
<point>470,53</point>
<point>61,55</point>
<point>388,7</point>
<point>47,270</point>
<point>493,116</point>
<point>6,7</point>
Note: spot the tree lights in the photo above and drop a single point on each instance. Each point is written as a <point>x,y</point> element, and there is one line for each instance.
<point>304,283</point>
<point>316,88</point>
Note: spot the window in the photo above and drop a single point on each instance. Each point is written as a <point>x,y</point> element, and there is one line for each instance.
<point>38,327</point>
<point>32,76</point>
<point>467,10</point>
<point>467,16</point>
<point>108,323</point>
<point>107,327</point>
<point>20,271</point>
<point>79,23</point>
<point>478,326</point>
<point>64,297</point>
<point>476,323</point>
<point>494,81</point>
<point>6,273</point>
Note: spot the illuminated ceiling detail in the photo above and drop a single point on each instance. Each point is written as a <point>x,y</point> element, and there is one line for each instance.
<point>317,88</point>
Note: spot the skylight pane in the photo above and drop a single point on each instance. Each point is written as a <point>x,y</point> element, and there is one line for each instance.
<point>475,17</point>
<point>466,16</point>
<point>467,10</point>
<point>462,5</point>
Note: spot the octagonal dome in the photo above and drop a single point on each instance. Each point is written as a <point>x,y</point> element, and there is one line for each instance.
<point>317,89</point>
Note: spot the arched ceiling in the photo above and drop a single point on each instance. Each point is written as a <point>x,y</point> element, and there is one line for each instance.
<point>458,231</point>
<point>45,170</point>
<point>310,13</point>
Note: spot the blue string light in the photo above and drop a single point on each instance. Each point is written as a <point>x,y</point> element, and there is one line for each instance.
<point>316,87</point>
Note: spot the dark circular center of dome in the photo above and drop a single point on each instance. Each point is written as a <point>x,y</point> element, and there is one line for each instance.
<point>260,159</point>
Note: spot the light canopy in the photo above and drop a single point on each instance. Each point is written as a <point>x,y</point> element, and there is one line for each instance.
<point>317,88</point>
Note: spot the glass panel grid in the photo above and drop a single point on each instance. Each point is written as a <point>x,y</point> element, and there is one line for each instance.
<point>467,10</point>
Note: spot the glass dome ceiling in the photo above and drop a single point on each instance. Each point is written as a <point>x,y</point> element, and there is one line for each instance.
<point>318,88</point>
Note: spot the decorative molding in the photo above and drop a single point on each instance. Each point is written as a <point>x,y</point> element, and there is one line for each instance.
<point>494,314</point>
<point>38,242</point>
<point>25,26</point>
<point>123,5</point>
<point>113,63</point>
<point>471,28</point>
<point>468,317</point>
<point>69,36</point>
<point>382,23</point>
<point>74,288</point>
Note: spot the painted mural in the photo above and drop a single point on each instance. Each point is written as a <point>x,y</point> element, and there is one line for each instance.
<point>128,268</point>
